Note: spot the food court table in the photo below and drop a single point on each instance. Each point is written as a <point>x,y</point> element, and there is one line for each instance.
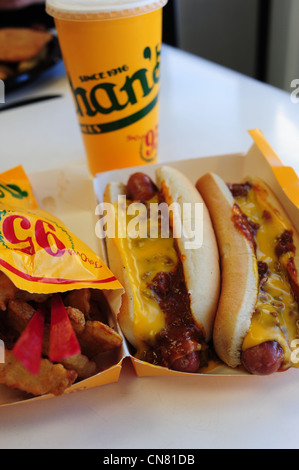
<point>206,110</point>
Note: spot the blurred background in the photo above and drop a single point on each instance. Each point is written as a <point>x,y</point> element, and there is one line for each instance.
<point>259,38</point>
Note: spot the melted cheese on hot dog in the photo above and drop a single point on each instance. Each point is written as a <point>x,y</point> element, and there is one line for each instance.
<point>143,258</point>
<point>276,315</point>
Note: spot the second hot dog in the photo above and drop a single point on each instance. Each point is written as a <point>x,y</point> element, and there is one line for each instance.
<point>258,314</point>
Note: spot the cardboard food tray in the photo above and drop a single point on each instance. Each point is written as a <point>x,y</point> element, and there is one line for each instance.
<point>260,160</point>
<point>71,195</point>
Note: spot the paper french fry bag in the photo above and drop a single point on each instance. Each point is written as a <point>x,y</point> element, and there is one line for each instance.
<point>54,314</point>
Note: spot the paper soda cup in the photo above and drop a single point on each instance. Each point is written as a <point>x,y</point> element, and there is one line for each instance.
<point>112,51</point>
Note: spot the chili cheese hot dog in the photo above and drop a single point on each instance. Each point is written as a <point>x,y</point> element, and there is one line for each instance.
<point>257,317</point>
<point>171,292</point>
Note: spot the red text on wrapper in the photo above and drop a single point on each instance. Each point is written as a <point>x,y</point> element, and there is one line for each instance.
<point>43,231</point>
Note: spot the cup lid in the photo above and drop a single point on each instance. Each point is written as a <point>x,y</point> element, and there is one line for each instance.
<point>100,9</point>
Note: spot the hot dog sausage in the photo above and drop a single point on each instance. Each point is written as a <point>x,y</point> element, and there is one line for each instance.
<point>189,363</point>
<point>140,187</point>
<point>263,359</point>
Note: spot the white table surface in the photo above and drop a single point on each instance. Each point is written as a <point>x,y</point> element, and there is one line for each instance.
<point>205,110</point>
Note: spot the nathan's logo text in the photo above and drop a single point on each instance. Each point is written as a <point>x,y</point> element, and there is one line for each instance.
<point>108,97</point>
<point>104,75</point>
<point>12,189</point>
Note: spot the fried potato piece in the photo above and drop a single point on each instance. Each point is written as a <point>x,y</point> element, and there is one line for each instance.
<point>83,366</point>
<point>19,315</point>
<point>7,291</point>
<point>77,319</point>
<point>52,378</point>
<point>99,306</point>
<point>18,44</point>
<point>97,338</point>
<point>91,302</point>
<point>79,299</point>
<point>25,296</point>
<point>80,363</point>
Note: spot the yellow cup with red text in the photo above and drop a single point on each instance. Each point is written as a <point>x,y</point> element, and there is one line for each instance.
<point>111,51</point>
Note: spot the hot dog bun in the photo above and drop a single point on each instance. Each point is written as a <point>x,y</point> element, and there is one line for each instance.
<point>258,307</point>
<point>200,267</point>
<point>239,272</point>
<point>126,313</point>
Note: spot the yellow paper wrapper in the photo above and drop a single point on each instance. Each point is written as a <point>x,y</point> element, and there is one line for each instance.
<point>37,252</point>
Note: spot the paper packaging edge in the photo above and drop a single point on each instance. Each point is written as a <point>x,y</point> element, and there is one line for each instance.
<point>111,374</point>
<point>271,169</point>
<point>106,377</point>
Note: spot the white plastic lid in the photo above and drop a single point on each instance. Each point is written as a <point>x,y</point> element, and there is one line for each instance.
<point>100,9</point>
